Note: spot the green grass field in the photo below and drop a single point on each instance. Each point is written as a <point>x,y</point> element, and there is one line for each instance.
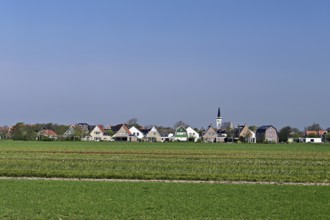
<point>173,161</point>
<point>48,199</point>
<point>21,199</point>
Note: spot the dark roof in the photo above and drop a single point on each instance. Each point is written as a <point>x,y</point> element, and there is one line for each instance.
<point>116,127</point>
<point>264,128</point>
<point>227,125</point>
<point>86,127</point>
<point>145,131</point>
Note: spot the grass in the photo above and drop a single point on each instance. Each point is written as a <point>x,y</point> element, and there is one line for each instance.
<point>21,199</point>
<point>181,161</point>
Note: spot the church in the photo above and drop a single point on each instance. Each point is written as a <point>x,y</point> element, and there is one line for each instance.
<point>222,131</point>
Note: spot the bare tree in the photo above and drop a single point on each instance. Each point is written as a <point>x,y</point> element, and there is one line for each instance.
<point>180,123</point>
<point>132,121</point>
<point>313,127</point>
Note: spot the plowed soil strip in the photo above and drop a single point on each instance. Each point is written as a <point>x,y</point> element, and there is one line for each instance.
<point>167,181</point>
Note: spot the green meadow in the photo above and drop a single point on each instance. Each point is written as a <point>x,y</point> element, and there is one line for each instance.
<point>170,161</point>
<point>65,199</point>
<point>44,199</point>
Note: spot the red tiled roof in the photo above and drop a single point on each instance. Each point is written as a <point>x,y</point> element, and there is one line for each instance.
<point>319,133</point>
<point>48,132</point>
<point>101,128</point>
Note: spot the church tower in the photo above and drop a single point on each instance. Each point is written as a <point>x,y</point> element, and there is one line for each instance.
<point>219,119</point>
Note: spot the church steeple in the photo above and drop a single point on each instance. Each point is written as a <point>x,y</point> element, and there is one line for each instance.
<point>219,119</point>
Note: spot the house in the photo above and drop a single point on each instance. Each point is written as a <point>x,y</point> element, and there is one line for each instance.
<point>181,134</point>
<point>122,133</point>
<point>244,134</point>
<point>192,134</point>
<point>227,126</point>
<point>74,132</point>
<point>210,136</point>
<point>153,135</point>
<point>46,133</point>
<point>137,133</point>
<point>267,133</point>
<point>315,136</point>
<point>86,128</point>
<point>313,140</point>
<point>98,133</point>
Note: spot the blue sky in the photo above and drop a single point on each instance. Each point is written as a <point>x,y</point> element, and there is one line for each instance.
<point>104,62</point>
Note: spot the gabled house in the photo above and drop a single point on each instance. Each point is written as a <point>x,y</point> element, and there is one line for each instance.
<point>210,136</point>
<point>74,132</point>
<point>46,133</point>
<point>137,132</point>
<point>153,135</point>
<point>192,134</point>
<point>98,133</point>
<point>243,133</point>
<point>122,133</point>
<point>181,134</point>
<point>315,136</point>
<point>86,128</point>
<point>267,133</point>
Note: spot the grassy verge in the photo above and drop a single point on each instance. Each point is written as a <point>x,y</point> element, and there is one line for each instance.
<point>21,199</point>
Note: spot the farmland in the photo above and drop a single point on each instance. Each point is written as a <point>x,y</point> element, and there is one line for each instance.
<point>21,198</point>
<point>170,161</point>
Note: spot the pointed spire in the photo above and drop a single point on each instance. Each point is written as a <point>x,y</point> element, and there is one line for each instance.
<point>219,113</point>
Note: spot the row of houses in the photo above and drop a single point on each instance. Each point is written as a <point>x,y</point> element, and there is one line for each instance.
<point>120,132</point>
<point>223,132</point>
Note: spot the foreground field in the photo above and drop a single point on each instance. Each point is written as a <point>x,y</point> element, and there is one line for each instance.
<point>173,161</point>
<point>20,199</point>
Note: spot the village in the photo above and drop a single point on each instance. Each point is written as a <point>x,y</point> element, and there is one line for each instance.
<point>223,132</point>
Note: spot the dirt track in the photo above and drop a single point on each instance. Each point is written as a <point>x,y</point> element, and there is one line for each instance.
<point>165,181</point>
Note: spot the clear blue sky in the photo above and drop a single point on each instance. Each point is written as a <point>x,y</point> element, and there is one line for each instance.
<point>104,62</point>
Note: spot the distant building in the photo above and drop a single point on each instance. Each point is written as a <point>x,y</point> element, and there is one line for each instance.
<point>313,140</point>
<point>193,134</point>
<point>267,133</point>
<point>181,134</point>
<point>219,119</point>
<point>122,133</point>
<point>153,135</point>
<point>210,136</point>
<point>137,132</point>
<point>243,133</point>
<point>46,133</point>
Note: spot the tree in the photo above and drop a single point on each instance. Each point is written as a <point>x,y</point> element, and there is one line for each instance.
<point>313,127</point>
<point>253,128</point>
<point>20,131</point>
<point>180,123</point>
<point>132,121</point>
<point>284,133</point>
<point>327,137</point>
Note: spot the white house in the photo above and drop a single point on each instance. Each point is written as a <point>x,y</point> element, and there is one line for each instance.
<point>313,140</point>
<point>98,134</point>
<point>192,133</point>
<point>154,135</point>
<point>136,132</point>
